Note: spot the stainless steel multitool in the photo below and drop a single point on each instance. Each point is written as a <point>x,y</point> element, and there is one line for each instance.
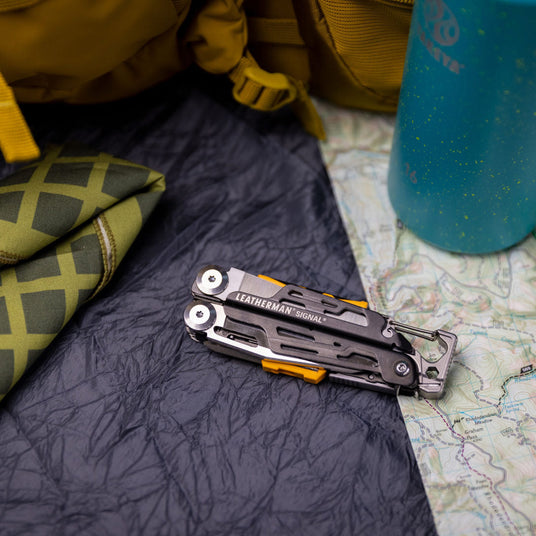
<point>293,330</point>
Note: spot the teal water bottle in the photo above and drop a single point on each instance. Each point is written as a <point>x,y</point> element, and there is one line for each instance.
<point>462,173</point>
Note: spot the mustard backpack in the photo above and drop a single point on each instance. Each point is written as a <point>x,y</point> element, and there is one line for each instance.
<point>276,52</point>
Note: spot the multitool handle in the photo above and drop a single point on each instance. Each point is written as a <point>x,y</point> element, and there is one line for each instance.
<point>263,320</point>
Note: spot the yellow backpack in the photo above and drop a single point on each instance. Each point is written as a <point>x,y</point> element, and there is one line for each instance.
<point>276,52</point>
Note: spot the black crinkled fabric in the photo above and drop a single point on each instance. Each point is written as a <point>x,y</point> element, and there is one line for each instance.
<point>127,426</point>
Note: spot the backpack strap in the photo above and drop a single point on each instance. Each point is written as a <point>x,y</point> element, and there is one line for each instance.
<point>16,141</point>
<point>217,40</point>
<point>284,31</point>
<point>261,90</point>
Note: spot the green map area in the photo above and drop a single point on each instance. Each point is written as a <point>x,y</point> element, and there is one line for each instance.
<point>476,447</point>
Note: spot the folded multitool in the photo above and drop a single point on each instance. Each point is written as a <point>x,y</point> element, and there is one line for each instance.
<point>293,330</point>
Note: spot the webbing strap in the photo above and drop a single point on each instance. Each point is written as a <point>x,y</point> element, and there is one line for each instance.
<point>266,91</point>
<point>16,141</point>
<point>258,88</point>
<point>278,31</point>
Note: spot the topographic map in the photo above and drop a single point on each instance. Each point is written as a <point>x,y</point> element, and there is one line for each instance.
<point>476,447</point>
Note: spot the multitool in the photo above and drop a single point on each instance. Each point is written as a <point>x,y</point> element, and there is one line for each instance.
<point>293,330</point>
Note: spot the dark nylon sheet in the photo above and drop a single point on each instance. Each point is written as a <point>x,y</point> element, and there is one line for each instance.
<point>126,426</point>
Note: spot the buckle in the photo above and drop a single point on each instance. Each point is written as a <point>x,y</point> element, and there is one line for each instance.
<point>264,91</point>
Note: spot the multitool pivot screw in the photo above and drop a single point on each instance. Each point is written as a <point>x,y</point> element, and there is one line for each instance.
<point>199,316</point>
<point>402,368</point>
<point>212,280</point>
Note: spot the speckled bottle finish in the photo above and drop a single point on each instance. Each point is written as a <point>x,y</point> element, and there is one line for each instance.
<point>462,173</point>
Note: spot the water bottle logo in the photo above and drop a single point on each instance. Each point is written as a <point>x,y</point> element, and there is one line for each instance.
<point>441,22</point>
<point>440,29</point>
<point>411,173</point>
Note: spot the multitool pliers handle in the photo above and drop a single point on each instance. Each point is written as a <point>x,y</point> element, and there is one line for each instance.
<point>301,332</point>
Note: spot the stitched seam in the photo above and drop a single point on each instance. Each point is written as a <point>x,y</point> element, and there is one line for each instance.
<point>98,232</point>
<point>111,238</point>
<point>9,258</point>
<point>108,251</point>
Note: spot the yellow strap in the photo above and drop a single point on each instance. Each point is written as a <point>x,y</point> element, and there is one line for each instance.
<point>306,112</point>
<point>308,375</point>
<point>16,141</point>
<point>260,89</point>
<point>267,92</point>
<point>280,31</point>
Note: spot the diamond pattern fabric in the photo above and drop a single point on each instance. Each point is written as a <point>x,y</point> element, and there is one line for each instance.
<point>66,222</point>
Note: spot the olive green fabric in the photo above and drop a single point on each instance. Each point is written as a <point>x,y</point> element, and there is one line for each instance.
<point>66,222</point>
